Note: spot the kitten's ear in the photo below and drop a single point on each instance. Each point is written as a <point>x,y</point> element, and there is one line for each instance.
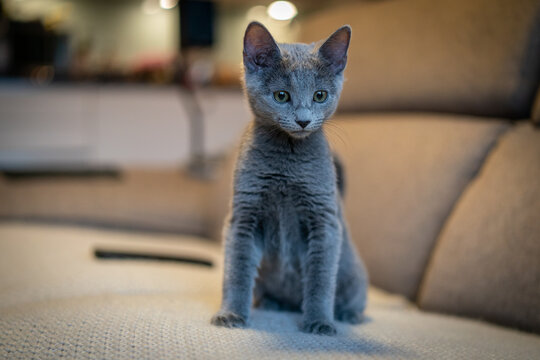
<point>334,49</point>
<point>260,49</point>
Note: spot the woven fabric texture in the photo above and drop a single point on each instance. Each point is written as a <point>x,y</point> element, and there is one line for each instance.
<point>57,301</point>
<point>403,175</point>
<point>487,260</point>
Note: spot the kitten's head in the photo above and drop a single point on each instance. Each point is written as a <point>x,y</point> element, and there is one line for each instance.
<point>294,86</point>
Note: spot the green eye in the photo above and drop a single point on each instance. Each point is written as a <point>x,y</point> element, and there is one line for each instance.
<point>320,96</point>
<point>281,96</point>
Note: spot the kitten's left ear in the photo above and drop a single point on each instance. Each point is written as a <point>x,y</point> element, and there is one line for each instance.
<point>334,49</point>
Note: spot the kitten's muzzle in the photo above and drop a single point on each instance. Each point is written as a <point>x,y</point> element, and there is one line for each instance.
<point>303,123</point>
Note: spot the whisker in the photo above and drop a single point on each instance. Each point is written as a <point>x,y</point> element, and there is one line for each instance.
<point>338,132</point>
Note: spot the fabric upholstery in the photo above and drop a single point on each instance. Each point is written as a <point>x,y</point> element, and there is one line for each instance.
<point>487,261</point>
<point>463,56</point>
<point>536,109</point>
<point>167,200</point>
<point>403,175</point>
<point>57,301</point>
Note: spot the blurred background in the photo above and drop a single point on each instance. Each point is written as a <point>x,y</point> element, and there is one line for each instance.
<point>124,114</point>
<point>126,82</point>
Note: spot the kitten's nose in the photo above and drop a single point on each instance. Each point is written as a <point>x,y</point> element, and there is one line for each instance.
<point>303,123</point>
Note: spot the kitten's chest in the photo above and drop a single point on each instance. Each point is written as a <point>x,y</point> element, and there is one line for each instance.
<point>286,188</point>
<point>284,232</point>
<point>291,177</point>
<point>282,189</point>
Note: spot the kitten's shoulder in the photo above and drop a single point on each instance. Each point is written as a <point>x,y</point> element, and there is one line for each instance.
<point>245,144</point>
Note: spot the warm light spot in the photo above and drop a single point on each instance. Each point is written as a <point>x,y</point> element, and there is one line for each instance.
<point>282,10</point>
<point>168,4</point>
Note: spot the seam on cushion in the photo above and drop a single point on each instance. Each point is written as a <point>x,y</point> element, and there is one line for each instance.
<point>531,61</point>
<point>87,223</point>
<point>488,152</point>
<point>535,111</point>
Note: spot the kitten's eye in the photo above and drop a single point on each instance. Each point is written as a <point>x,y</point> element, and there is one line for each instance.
<point>281,96</point>
<point>320,96</point>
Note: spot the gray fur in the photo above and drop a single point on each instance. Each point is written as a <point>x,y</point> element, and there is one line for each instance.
<point>286,241</point>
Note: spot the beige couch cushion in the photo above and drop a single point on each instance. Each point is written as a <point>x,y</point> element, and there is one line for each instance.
<point>57,301</point>
<point>487,260</point>
<point>404,174</point>
<point>536,109</point>
<point>468,56</point>
<point>167,200</point>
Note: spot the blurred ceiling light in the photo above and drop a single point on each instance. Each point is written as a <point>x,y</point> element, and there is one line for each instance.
<point>168,4</point>
<point>150,7</point>
<point>282,10</point>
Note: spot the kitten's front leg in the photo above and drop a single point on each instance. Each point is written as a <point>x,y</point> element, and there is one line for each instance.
<point>320,275</point>
<point>241,260</point>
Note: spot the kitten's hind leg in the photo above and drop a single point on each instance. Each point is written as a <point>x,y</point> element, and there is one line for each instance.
<point>266,302</point>
<point>349,316</point>
<point>350,300</point>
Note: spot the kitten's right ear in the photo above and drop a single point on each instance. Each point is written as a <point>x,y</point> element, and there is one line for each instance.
<point>260,49</point>
<point>334,49</point>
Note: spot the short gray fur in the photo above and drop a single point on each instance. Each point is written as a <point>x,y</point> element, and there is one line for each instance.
<point>286,241</point>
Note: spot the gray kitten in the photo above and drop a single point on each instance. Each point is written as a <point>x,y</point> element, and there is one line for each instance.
<point>286,223</point>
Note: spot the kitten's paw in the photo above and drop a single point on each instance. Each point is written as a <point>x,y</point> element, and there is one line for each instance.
<point>350,316</point>
<point>228,319</point>
<point>319,327</point>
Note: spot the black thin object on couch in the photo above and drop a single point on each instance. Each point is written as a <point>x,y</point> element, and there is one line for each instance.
<point>66,172</point>
<point>130,255</point>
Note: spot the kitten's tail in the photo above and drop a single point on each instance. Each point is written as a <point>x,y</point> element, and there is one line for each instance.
<point>340,174</point>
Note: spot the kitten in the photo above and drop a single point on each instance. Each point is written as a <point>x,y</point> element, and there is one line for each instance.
<point>286,223</point>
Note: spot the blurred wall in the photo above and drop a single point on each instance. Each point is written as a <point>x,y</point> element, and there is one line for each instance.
<point>231,25</point>
<point>119,33</point>
<point>122,32</point>
<point>122,125</point>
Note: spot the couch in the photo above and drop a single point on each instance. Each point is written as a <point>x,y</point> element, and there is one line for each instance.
<point>437,134</point>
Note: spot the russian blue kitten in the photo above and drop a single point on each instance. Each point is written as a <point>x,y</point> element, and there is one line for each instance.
<point>286,242</point>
